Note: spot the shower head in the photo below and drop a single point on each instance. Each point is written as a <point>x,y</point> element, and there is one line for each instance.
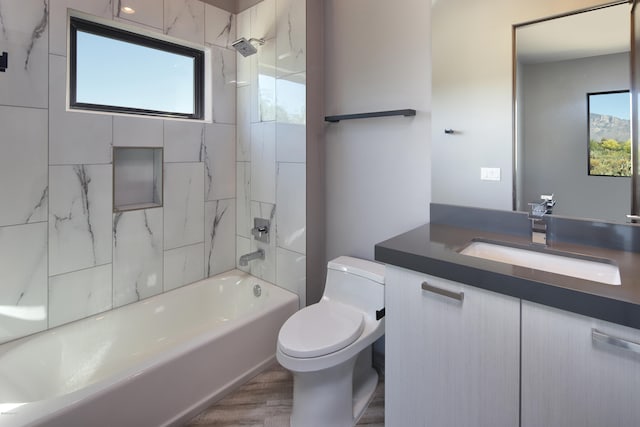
<point>245,47</point>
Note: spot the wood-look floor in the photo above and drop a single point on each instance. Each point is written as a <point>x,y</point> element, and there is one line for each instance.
<point>266,400</point>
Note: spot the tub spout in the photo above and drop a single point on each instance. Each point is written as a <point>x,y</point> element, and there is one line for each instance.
<point>244,259</point>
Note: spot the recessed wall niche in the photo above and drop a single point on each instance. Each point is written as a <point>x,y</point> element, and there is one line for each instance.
<point>137,178</point>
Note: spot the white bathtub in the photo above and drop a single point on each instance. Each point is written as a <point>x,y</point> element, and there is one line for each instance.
<point>153,363</point>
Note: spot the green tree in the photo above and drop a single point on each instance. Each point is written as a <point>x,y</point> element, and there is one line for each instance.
<point>611,144</point>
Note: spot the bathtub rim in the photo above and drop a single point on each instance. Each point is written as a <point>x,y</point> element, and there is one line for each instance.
<point>41,411</point>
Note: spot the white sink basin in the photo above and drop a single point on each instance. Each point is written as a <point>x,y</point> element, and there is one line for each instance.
<point>594,270</point>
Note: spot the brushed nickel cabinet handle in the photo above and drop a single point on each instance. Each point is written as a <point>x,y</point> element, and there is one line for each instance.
<point>449,294</point>
<point>601,337</point>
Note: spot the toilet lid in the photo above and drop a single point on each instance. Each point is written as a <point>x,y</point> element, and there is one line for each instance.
<point>320,329</point>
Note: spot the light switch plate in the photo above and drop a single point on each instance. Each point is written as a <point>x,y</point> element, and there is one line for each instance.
<point>490,174</point>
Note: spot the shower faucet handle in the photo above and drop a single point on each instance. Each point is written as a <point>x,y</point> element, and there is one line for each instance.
<point>260,230</point>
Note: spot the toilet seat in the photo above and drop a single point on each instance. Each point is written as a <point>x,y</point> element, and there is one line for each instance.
<point>320,329</point>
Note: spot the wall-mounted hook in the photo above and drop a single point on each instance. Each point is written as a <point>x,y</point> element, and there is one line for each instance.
<point>449,131</point>
<point>4,61</point>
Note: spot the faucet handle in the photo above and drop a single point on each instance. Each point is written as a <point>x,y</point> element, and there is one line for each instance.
<point>260,230</point>
<point>548,200</point>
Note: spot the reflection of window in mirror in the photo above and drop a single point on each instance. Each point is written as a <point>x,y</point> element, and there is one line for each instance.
<point>609,133</point>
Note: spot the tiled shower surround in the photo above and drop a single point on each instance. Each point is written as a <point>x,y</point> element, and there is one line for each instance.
<point>64,253</point>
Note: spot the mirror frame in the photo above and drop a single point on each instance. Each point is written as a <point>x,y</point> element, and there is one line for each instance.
<point>635,205</point>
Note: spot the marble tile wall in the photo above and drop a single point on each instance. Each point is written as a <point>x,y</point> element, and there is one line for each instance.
<point>137,255</point>
<point>64,254</point>
<point>271,141</point>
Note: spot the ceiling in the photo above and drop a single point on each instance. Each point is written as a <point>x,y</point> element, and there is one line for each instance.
<point>593,33</point>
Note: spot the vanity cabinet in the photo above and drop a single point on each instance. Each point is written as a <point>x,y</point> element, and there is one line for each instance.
<point>573,376</point>
<point>452,353</point>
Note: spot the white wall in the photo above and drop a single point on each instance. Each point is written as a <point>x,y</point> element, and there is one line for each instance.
<point>472,93</point>
<point>377,57</point>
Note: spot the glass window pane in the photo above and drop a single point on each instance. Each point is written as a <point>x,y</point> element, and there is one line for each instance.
<point>118,71</point>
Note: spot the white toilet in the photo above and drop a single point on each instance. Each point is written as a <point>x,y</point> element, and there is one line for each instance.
<point>327,346</point>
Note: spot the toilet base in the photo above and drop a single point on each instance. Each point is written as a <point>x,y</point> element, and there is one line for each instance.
<point>335,397</point>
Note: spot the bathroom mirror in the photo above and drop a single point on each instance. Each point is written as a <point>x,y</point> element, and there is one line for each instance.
<point>559,64</point>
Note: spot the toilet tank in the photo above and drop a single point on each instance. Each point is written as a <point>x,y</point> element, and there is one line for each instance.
<point>355,282</point>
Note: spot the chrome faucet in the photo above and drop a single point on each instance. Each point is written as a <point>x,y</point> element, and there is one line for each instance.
<point>244,259</point>
<point>537,216</point>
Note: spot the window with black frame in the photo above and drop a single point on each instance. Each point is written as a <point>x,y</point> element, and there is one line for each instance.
<point>118,71</point>
<point>609,133</point>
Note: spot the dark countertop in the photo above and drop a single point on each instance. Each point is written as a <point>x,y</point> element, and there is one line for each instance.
<point>433,249</point>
